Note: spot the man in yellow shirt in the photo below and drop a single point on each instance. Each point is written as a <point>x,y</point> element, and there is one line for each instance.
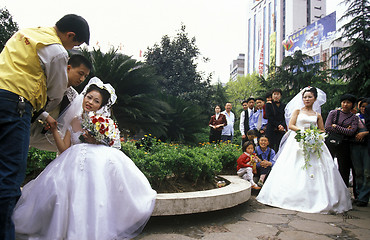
<point>33,65</point>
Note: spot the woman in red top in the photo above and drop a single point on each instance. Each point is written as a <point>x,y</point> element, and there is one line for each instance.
<point>217,122</point>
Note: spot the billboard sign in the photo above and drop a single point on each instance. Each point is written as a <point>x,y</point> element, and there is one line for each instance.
<point>311,36</point>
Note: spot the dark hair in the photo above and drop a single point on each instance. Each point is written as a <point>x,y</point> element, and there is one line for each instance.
<point>104,93</point>
<point>263,135</point>
<point>252,132</point>
<point>246,144</point>
<point>250,99</point>
<point>268,95</point>
<point>278,90</point>
<point>77,59</point>
<point>259,98</point>
<point>312,90</point>
<point>245,101</point>
<point>360,99</point>
<point>348,97</point>
<point>76,24</point>
<point>364,100</point>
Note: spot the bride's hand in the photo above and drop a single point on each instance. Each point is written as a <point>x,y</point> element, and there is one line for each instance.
<point>88,138</point>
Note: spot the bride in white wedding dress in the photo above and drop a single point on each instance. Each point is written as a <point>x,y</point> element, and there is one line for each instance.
<point>317,189</point>
<point>89,192</point>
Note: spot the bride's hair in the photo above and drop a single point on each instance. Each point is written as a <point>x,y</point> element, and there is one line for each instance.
<point>104,93</point>
<point>312,90</point>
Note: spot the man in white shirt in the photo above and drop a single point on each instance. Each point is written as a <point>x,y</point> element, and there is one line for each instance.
<point>228,131</point>
<point>248,106</point>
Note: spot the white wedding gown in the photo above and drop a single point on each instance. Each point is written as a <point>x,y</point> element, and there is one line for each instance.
<point>318,189</point>
<point>89,192</point>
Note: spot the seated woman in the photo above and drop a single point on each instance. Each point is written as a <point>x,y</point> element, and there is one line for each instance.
<point>90,191</point>
<point>267,155</point>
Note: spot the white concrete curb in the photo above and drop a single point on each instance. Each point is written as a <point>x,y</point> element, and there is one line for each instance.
<point>237,192</point>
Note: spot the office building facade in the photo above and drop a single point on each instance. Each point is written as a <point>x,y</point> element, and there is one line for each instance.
<point>269,22</point>
<point>237,67</point>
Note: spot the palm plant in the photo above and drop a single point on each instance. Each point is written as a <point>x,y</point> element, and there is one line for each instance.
<point>184,120</point>
<point>137,108</point>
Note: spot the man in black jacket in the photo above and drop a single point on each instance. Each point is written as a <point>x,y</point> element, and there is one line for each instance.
<point>276,126</point>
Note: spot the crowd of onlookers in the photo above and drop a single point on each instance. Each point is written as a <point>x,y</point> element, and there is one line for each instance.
<point>263,124</point>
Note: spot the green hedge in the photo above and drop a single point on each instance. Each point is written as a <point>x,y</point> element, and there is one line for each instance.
<point>160,161</point>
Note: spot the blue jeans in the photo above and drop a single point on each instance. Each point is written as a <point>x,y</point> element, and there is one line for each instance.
<point>361,165</point>
<point>14,141</point>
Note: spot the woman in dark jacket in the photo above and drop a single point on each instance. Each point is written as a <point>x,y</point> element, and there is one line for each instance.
<point>217,123</point>
<point>344,122</point>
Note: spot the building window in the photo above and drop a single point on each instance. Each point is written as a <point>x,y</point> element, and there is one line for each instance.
<point>265,57</point>
<point>334,58</point>
<point>308,12</point>
<point>254,42</point>
<point>275,16</point>
<point>269,19</point>
<point>249,45</point>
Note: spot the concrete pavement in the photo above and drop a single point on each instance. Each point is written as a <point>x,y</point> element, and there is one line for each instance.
<point>252,220</point>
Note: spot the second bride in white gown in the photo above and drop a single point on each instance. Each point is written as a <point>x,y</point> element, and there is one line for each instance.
<point>317,189</point>
<point>89,192</point>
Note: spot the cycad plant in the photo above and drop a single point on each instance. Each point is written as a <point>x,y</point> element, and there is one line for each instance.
<point>184,120</point>
<point>137,107</point>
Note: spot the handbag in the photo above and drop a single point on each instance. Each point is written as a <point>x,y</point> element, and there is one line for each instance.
<point>334,139</point>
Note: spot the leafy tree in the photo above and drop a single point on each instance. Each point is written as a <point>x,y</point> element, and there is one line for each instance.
<point>137,106</point>
<point>355,61</point>
<point>218,97</point>
<point>175,60</point>
<point>243,88</point>
<point>7,27</point>
<point>296,72</point>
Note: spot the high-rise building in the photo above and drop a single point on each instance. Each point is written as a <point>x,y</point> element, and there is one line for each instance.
<point>317,41</point>
<point>237,67</point>
<point>269,22</point>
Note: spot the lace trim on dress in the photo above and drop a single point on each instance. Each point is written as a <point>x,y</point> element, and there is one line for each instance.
<point>83,157</point>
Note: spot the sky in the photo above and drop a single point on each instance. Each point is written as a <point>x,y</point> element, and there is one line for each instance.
<point>219,26</point>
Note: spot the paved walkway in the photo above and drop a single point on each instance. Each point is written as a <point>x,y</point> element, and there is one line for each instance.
<point>252,220</point>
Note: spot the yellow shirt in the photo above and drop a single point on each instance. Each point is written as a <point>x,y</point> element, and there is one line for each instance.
<point>20,68</point>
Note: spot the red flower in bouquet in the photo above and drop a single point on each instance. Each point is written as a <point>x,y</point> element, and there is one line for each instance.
<point>102,128</point>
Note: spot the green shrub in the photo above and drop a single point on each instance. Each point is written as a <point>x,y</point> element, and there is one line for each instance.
<point>37,160</point>
<point>159,161</point>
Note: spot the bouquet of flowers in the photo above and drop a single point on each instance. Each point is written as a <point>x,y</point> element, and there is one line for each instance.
<point>102,128</point>
<point>311,140</point>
